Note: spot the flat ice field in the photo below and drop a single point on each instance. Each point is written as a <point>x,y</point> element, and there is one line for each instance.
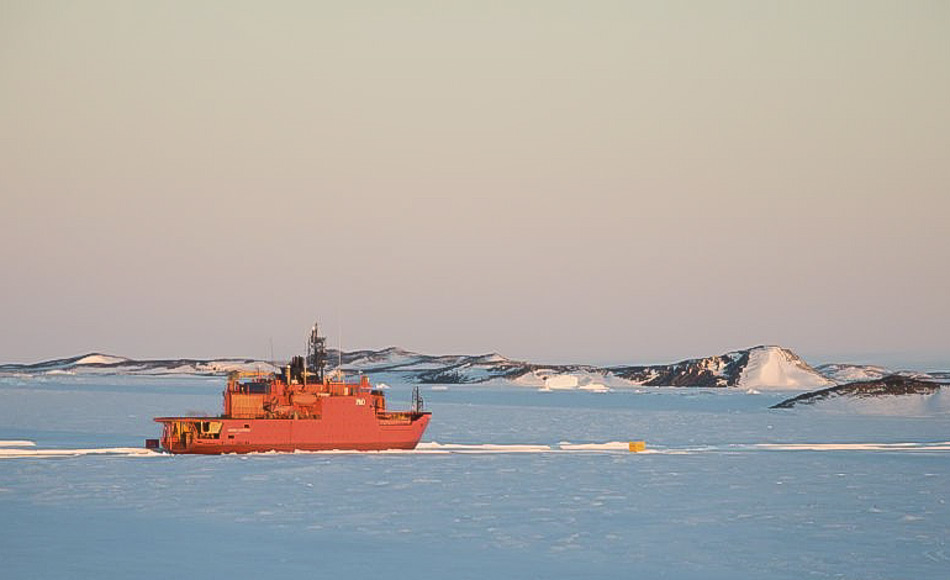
<point>509,483</point>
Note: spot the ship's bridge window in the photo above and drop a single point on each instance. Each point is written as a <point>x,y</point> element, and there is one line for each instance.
<point>256,388</point>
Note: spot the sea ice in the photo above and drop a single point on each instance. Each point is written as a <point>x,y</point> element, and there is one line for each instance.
<point>508,483</point>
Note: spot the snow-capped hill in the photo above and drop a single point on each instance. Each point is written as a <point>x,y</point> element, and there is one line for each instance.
<point>492,358</point>
<point>474,369</point>
<point>90,362</point>
<point>760,367</point>
<point>373,359</point>
<point>223,367</point>
<point>777,368</point>
<point>846,373</point>
<point>713,371</point>
<point>100,359</point>
<point>104,364</point>
<point>891,395</point>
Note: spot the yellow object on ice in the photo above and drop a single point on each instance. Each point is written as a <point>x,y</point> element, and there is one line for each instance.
<point>637,446</point>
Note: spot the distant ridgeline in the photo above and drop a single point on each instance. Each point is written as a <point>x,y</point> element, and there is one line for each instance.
<point>760,367</point>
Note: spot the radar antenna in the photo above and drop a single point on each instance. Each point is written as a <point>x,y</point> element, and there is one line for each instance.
<point>317,353</point>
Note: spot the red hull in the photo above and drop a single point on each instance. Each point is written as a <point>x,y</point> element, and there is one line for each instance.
<point>259,435</point>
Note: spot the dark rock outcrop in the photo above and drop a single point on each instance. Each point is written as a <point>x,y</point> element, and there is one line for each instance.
<point>889,386</point>
<point>715,371</point>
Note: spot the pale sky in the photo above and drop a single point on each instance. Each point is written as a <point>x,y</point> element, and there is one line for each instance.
<point>556,181</point>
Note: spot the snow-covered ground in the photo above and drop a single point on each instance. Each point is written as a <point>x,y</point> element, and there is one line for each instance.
<point>509,483</point>
<point>932,405</point>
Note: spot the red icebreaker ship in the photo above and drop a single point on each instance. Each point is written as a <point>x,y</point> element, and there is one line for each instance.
<point>298,409</point>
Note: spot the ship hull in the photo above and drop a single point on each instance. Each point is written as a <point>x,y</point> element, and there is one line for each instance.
<point>288,435</point>
<point>344,424</point>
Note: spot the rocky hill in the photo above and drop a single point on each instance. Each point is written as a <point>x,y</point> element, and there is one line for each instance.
<point>888,386</point>
<point>760,367</point>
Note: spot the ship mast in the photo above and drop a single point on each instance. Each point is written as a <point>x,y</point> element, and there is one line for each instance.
<point>316,353</point>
